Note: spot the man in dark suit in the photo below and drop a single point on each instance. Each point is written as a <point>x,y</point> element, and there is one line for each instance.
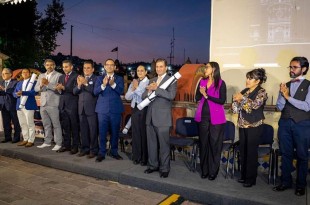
<point>68,107</point>
<point>8,107</point>
<point>159,121</point>
<point>109,107</point>
<point>88,116</point>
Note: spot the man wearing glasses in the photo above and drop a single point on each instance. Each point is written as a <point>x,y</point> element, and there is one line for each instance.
<point>294,125</point>
<point>8,107</point>
<point>109,108</point>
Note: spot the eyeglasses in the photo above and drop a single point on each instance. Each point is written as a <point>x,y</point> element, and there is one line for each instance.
<point>293,67</point>
<point>110,65</point>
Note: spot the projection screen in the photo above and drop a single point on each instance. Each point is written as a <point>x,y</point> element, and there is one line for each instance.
<point>258,34</point>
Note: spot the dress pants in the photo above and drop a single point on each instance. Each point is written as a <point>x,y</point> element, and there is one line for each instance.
<point>109,122</point>
<point>139,141</point>
<point>9,117</point>
<point>26,122</point>
<point>211,143</point>
<point>249,141</point>
<point>158,147</point>
<point>70,127</point>
<point>89,133</point>
<point>294,135</point>
<point>51,124</point>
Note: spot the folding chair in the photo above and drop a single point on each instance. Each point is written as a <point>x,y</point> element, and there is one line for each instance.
<point>265,147</point>
<point>186,136</point>
<point>228,141</point>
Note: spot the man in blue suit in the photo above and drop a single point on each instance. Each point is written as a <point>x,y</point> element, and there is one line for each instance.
<point>26,113</point>
<point>8,107</point>
<point>88,116</point>
<point>109,107</point>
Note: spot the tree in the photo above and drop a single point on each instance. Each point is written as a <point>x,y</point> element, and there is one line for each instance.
<point>26,35</point>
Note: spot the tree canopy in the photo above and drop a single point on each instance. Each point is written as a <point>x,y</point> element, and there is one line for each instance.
<point>28,36</point>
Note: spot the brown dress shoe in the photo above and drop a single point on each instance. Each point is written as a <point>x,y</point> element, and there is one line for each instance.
<point>22,143</point>
<point>29,144</point>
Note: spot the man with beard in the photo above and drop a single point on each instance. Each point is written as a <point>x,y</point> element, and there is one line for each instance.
<point>294,125</point>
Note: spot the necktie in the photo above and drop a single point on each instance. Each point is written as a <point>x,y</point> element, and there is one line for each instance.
<point>66,78</point>
<point>87,78</point>
<point>158,80</point>
<point>6,84</point>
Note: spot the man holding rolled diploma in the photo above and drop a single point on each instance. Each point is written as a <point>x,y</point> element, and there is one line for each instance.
<point>25,108</point>
<point>159,121</point>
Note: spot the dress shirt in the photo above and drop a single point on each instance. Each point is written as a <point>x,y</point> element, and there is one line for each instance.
<point>299,104</point>
<point>25,84</point>
<point>136,95</point>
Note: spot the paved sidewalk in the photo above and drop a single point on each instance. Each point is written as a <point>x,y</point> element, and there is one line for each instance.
<point>31,184</point>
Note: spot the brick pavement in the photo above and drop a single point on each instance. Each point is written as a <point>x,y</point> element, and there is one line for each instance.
<point>25,183</point>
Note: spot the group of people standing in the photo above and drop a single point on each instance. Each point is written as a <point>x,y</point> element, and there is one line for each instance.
<point>294,124</point>
<point>74,106</point>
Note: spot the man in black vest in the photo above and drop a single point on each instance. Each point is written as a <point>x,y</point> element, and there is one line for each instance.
<point>294,125</point>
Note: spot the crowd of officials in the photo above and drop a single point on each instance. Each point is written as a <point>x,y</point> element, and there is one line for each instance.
<point>76,109</point>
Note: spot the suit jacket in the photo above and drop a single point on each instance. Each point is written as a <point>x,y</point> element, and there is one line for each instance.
<point>109,100</point>
<point>31,103</point>
<point>87,98</point>
<point>7,99</point>
<point>159,110</point>
<point>68,101</point>
<point>49,96</point>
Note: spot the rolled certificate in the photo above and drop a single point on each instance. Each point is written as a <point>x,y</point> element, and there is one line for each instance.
<point>127,127</point>
<point>23,99</point>
<point>164,86</point>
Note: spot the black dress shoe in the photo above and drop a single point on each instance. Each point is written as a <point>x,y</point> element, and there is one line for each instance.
<point>247,185</point>
<point>203,176</point>
<point>82,154</point>
<point>212,177</point>
<point>143,163</point>
<point>74,151</point>
<point>280,187</point>
<point>149,170</point>
<point>5,141</point>
<point>91,155</point>
<point>241,180</point>
<point>136,162</point>
<point>63,149</point>
<point>164,174</point>
<point>100,158</point>
<point>15,141</point>
<point>117,157</point>
<point>300,191</point>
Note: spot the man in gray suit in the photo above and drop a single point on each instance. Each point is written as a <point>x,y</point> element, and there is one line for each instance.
<point>49,111</point>
<point>159,121</point>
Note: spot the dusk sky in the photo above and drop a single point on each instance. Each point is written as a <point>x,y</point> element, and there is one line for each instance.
<point>142,29</point>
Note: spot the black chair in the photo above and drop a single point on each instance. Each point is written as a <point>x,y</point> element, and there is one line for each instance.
<point>186,136</point>
<point>264,148</point>
<point>123,138</point>
<point>229,138</point>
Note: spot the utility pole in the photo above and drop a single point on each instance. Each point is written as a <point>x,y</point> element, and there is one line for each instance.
<point>171,57</point>
<point>71,42</point>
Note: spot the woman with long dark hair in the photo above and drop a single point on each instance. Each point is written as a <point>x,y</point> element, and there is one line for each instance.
<point>249,104</point>
<point>210,114</point>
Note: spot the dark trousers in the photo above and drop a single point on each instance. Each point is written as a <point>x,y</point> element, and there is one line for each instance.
<point>9,117</point>
<point>109,122</point>
<point>89,133</point>
<point>139,141</point>
<point>211,143</point>
<point>70,127</point>
<point>249,141</point>
<point>294,136</point>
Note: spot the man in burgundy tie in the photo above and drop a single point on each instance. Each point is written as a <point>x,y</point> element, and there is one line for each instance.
<point>68,107</point>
